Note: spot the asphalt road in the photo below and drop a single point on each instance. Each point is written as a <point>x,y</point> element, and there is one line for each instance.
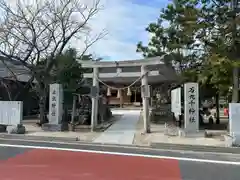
<point>29,160</point>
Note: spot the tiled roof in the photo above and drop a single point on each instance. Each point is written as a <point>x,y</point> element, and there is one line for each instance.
<point>20,72</point>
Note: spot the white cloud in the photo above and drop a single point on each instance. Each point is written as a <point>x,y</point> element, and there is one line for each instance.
<point>125,23</point>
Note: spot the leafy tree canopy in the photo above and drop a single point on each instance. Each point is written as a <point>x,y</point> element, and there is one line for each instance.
<point>67,70</point>
<point>201,38</point>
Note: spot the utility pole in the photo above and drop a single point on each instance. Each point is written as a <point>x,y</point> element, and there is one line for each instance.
<point>235,89</point>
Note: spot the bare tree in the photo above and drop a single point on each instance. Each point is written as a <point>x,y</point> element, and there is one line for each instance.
<point>42,30</point>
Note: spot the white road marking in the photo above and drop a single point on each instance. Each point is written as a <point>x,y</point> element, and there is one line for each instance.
<point>124,154</point>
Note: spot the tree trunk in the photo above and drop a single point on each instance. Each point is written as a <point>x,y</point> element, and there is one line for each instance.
<point>217,109</point>
<point>235,85</point>
<point>42,107</point>
<point>7,89</point>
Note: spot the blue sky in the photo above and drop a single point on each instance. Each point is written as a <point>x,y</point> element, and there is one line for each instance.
<point>125,22</point>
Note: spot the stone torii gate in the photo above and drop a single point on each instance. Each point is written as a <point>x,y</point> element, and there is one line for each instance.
<point>149,71</point>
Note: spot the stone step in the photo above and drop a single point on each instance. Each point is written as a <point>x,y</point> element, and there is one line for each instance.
<point>211,133</point>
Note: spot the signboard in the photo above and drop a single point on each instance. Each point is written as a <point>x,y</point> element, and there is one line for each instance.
<point>11,112</point>
<point>222,101</point>
<point>176,101</point>
<point>55,104</point>
<point>172,101</point>
<point>94,91</point>
<point>145,89</point>
<point>191,107</point>
<point>234,121</point>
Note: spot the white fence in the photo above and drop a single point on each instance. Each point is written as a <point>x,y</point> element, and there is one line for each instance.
<point>11,112</point>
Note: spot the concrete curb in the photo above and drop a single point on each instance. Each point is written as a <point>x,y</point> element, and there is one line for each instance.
<point>26,137</point>
<point>61,140</point>
<point>39,138</point>
<point>196,148</point>
<point>156,146</point>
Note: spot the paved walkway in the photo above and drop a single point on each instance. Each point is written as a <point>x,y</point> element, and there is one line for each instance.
<point>123,130</point>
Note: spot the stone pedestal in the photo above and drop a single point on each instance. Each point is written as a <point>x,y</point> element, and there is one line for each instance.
<point>3,128</point>
<point>19,129</point>
<point>55,127</point>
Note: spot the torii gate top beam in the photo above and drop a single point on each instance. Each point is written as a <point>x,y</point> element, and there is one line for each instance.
<point>158,70</point>
<point>125,63</point>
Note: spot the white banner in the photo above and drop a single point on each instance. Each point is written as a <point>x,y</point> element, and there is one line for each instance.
<point>234,121</point>
<point>176,101</point>
<point>172,100</point>
<point>191,107</point>
<point>55,104</point>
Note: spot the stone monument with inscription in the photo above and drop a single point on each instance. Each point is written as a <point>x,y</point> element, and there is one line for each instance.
<point>55,108</point>
<point>191,107</point>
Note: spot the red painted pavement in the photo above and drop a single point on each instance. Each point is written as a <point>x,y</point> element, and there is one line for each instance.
<point>66,165</point>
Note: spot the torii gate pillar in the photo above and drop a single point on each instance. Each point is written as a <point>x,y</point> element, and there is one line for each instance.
<point>95,97</point>
<point>145,99</point>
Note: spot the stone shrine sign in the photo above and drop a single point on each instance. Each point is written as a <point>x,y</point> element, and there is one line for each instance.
<point>191,107</point>
<point>55,104</point>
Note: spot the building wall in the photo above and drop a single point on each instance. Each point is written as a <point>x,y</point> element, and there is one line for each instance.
<point>161,88</point>
<point>29,98</point>
<point>125,100</point>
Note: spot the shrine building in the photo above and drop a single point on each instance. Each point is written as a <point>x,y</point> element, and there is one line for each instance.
<point>113,75</point>
<point>130,83</point>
